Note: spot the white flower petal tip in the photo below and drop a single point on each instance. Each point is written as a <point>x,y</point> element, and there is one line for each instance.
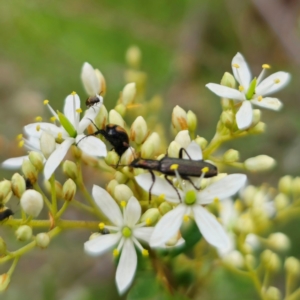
<point>269,103</point>
<point>244,116</point>
<point>225,92</point>
<point>90,80</point>
<point>13,163</point>
<point>101,244</point>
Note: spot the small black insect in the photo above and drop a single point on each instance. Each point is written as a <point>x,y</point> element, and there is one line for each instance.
<point>104,231</point>
<point>91,101</point>
<point>5,213</point>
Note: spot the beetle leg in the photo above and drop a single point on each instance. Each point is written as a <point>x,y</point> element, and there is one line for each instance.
<point>191,182</point>
<point>181,152</point>
<point>153,181</point>
<point>171,183</point>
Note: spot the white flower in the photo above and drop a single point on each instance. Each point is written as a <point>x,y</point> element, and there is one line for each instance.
<point>191,204</point>
<point>126,235</point>
<point>70,132</point>
<point>90,81</point>
<point>251,92</point>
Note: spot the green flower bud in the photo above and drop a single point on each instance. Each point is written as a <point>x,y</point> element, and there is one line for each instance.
<point>285,184</point>
<point>183,138</point>
<point>133,57</point>
<point>102,81</point>
<point>121,109</point>
<point>42,240</point>
<point>32,203</point>
<point>58,188</point>
<point>24,233</point>
<point>151,216</point>
<point>102,117</point>
<point>18,185</point>
<point>148,149</point>
<point>66,124</point>
<point>70,169</point>
<point>251,89</point>
<point>244,224</point>
<point>4,281</point>
<point>116,118</point>
<point>47,144</point>
<point>69,190</point>
<point>228,118</point>
<point>249,194</point>
<point>235,259</point>
<point>2,247</point>
<point>281,201</point>
<point>179,118</point>
<point>173,150</point>
<point>259,163</point>
<point>154,140</point>
<point>296,186</point>
<point>228,80</point>
<point>127,157</point>
<point>273,293</point>
<point>191,121</point>
<point>37,160</point>
<point>292,266</point>
<point>122,192</point>
<point>231,156</point>
<point>164,208</point>
<point>5,191</point>
<point>111,186</point>
<point>29,171</point>
<point>201,141</point>
<point>120,177</point>
<point>256,117</point>
<point>112,158</point>
<point>138,130</point>
<point>271,261</point>
<point>259,128</point>
<point>279,242</point>
<point>128,93</point>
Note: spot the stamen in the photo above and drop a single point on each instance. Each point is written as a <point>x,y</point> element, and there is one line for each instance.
<point>19,137</point>
<point>53,119</point>
<point>46,102</point>
<point>186,218</point>
<point>259,98</point>
<point>79,110</point>
<point>73,93</point>
<point>241,88</point>
<point>59,136</point>
<point>145,252</point>
<point>174,167</point>
<point>148,222</point>
<point>276,80</point>
<point>38,119</point>
<point>266,66</point>
<point>123,203</point>
<point>21,144</point>
<point>101,226</point>
<point>162,197</point>
<point>205,170</point>
<point>236,66</point>
<point>216,200</point>
<point>116,253</point>
<point>38,127</point>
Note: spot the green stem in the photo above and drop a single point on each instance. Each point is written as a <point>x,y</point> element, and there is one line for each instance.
<point>47,202</point>
<point>62,210</point>
<point>53,195</point>
<point>294,296</point>
<point>82,206</point>
<point>13,266</point>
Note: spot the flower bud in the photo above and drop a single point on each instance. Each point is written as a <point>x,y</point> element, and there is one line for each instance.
<point>69,190</point>
<point>47,144</point>
<point>296,187</point>
<point>191,121</point>
<point>138,130</point>
<point>112,158</point>
<point>5,191</point>
<point>18,185</point>
<point>231,156</point>
<point>285,184</point>
<point>179,119</point>
<point>36,159</point>
<point>252,240</point>
<point>244,224</point>
<point>122,192</point>
<point>24,233</point>
<point>201,141</point>
<point>70,169</point>
<point>228,80</point>
<point>256,117</point>
<point>271,261</point>
<point>133,57</point>
<point>173,150</point>
<point>259,163</point>
<point>248,194</point>
<point>29,171</point>
<point>42,240</point>
<point>173,240</point>
<point>121,109</point>
<point>32,202</point>
<point>58,188</point>
<point>281,201</point>
<point>183,138</point>
<point>151,147</point>
<point>128,156</point>
<point>227,118</point>
<point>2,247</point>
<point>292,266</point>
<point>4,281</point>
<point>279,242</point>
<point>89,79</point>
<point>128,93</point>
<point>151,216</point>
<point>116,118</point>
<point>120,177</point>
<point>102,117</point>
<point>111,186</point>
<point>102,82</point>
<point>259,128</point>
<point>272,293</point>
<point>164,208</point>
<point>76,151</point>
<point>234,258</point>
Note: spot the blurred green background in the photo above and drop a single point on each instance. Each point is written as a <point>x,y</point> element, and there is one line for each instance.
<point>185,44</point>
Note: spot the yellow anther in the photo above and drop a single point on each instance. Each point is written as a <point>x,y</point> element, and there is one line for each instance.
<point>116,252</point>
<point>38,119</point>
<point>186,218</point>
<point>216,200</point>
<point>205,170</point>
<point>38,128</point>
<point>46,102</point>
<point>148,222</point>
<point>145,252</point>
<point>19,137</point>
<point>53,119</point>
<point>259,98</point>
<point>162,197</point>
<point>21,144</point>
<point>266,66</point>
<point>123,203</point>
<point>73,93</point>
<point>277,80</point>
<point>174,167</point>
<point>236,65</point>
<point>79,110</point>
<point>59,136</point>
<point>241,88</point>
<point>101,226</point>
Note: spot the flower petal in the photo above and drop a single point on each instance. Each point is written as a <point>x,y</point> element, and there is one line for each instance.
<point>90,80</point>
<point>167,226</point>
<point>89,116</point>
<point>14,163</point>
<point>270,85</point>
<point>72,103</point>
<point>183,138</point>
<point>143,233</point>
<point>35,129</point>
<point>101,244</point>
<point>222,189</point>
<point>160,187</point>
<point>56,157</point>
<point>268,102</point>
<point>225,92</point>
<point>132,212</point>
<point>210,228</point>
<point>126,267</point>
<point>91,145</point>
<point>194,151</point>
<point>244,116</point>
<point>107,205</point>
<point>242,74</point>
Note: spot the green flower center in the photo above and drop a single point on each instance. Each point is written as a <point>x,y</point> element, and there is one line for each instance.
<point>190,197</point>
<point>251,89</point>
<point>126,231</point>
<point>64,121</point>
